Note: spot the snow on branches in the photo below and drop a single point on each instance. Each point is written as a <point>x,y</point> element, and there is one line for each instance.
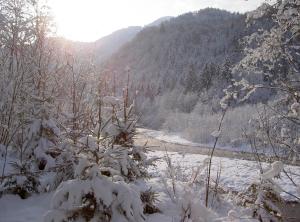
<point>93,197</point>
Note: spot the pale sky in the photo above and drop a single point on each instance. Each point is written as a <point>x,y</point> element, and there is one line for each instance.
<point>89,20</point>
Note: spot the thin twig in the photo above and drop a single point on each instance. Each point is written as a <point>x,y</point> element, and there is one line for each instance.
<point>211,156</point>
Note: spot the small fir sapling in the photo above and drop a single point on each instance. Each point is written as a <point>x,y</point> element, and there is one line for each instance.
<point>130,159</point>
<point>102,188</point>
<point>94,197</point>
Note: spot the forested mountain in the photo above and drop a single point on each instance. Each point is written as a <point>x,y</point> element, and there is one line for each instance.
<point>108,45</point>
<point>184,64</point>
<point>182,52</point>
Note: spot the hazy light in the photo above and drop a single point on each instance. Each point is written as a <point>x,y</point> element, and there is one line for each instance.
<point>89,20</point>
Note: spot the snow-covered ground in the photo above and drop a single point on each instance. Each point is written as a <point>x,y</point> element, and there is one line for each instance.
<point>236,175</point>
<point>15,209</point>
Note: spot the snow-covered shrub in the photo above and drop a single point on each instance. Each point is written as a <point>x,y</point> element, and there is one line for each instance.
<point>23,180</point>
<point>36,154</point>
<point>191,207</point>
<point>198,125</point>
<point>274,134</point>
<point>94,197</point>
<point>187,202</point>
<point>274,54</point>
<point>185,198</point>
<point>149,199</point>
<point>263,196</point>
<point>41,140</point>
<point>119,162</point>
<point>22,184</point>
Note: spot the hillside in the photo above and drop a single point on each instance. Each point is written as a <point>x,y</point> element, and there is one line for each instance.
<point>107,45</point>
<point>180,69</point>
<point>167,54</point>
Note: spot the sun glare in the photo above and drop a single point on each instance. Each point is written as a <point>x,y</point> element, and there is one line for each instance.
<point>89,20</point>
<point>81,20</point>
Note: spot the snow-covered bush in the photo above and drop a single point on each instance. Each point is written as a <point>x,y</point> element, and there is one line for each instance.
<point>119,162</point>
<point>191,207</point>
<point>198,125</point>
<point>263,196</point>
<point>275,135</point>
<point>41,142</point>
<point>149,199</point>
<point>94,197</point>
<point>185,197</point>
<point>23,183</point>
<point>41,152</point>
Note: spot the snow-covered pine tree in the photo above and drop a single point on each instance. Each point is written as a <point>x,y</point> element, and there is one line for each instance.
<point>130,160</point>
<point>108,162</point>
<point>77,89</point>
<point>94,197</point>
